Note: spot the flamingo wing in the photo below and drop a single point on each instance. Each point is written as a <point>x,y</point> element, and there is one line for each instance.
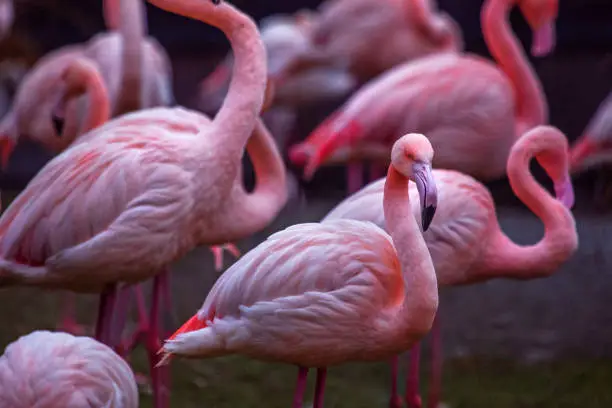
<point>101,202</point>
<point>341,267</point>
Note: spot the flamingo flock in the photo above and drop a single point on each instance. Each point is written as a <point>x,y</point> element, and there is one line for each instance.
<point>137,182</point>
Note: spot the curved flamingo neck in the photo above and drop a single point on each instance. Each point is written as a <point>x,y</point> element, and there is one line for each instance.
<point>531,108</point>
<point>85,77</point>
<point>420,282</point>
<point>251,212</point>
<point>504,257</point>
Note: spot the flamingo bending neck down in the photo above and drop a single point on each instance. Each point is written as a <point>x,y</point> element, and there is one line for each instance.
<point>148,187</point>
<point>472,110</point>
<point>465,240</point>
<point>302,295</point>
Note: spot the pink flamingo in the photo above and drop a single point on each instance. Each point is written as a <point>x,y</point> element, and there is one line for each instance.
<point>147,187</point>
<point>136,72</point>
<point>465,240</point>
<point>316,295</point>
<point>7,15</point>
<point>373,36</point>
<point>47,370</point>
<point>472,110</point>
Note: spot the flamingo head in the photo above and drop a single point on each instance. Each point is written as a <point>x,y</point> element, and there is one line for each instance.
<point>335,134</point>
<point>541,16</point>
<point>411,156</point>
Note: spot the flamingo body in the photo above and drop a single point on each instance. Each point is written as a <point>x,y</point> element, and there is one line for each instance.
<point>48,370</point>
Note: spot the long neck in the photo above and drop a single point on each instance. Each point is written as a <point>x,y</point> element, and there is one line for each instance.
<point>128,16</point>
<point>236,117</point>
<point>420,283</point>
<point>254,211</point>
<point>531,108</point>
<point>92,82</point>
<point>504,258</point>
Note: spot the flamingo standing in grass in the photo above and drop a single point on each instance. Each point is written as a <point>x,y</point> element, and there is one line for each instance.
<point>136,72</point>
<point>148,187</point>
<point>472,110</point>
<point>316,295</point>
<point>465,240</point>
<point>48,370</point>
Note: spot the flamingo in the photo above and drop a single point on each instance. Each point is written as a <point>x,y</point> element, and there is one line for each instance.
<point>465,240</point>
<point>47,370</point>
<point>320,294</point>
<point>284,36</point>
<point>472,110</point>
<point>373,36</point>
<point>7,15</point>
<point>136,72</point>
<point>148,187</point>
<point>593,147</point>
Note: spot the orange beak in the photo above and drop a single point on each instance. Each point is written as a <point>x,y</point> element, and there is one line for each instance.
<point>7,145</point>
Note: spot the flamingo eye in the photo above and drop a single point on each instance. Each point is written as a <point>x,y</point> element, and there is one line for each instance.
<point>58,125</point>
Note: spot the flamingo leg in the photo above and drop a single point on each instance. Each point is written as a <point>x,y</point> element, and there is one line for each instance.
<point>413,399</point>
<point>354,177</point>
<point>395,401</point>
<point>138,336</point>
<point>300,388</point>
<point>217,251</point>
<point>159,375</point>
<point>435,385</point>
<point>68,322</point>
<point>105,315</point>
<point>320,387</point>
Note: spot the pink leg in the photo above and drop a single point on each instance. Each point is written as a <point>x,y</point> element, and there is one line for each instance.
<point>300,388</point>
<point>413,399</point>
<point>320,387</point>
<point>105,314</point>
<point>217,251</point>
<point>159,375</point>
<point>435,385</point>
<point>395,401</point>
<point>126,346</point>
<point>68,322</point>
<point>354,177</point>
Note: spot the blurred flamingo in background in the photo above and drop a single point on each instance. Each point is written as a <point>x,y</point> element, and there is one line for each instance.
<point>466,242</point>
<point>370,36</point>
<point>147,187</point>
<point>136,72</point>
<point>284,36</point>
<point>48,370</point>
<point>471,109</point>
<point>7,15</point>
<point>594,148</point>
<point>316,295</point>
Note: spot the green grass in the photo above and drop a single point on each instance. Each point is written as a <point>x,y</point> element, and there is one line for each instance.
<point>240,382</point>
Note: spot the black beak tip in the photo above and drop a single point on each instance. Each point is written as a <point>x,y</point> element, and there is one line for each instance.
<point>428,215</point>
<point>58,124</point>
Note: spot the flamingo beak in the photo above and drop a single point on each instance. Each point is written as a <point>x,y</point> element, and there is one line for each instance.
<point>428,192</point>
<point>564,191</point>
<point>544,39</point>
<point>7,145</point>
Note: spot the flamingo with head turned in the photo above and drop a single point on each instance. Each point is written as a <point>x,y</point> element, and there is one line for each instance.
<point>148,187</point>
<point>49,370</point>
<point>465,240</point>
<point>316,295</point>
<point>472,110</point>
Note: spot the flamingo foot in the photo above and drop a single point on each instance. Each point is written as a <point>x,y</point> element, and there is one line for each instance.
<point>300,388</point>
<point>414,402</point>
<point>217,251</point>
